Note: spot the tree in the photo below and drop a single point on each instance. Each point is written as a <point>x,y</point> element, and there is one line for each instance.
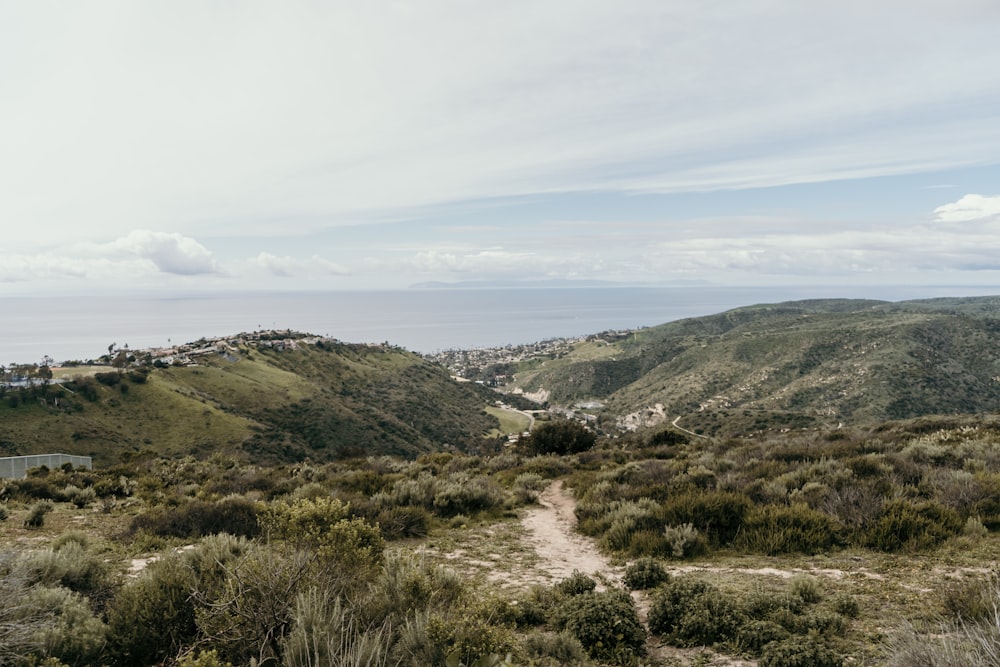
<point>560,437</point>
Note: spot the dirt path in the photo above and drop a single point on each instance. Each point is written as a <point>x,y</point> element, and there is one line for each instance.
<point>551,531</point>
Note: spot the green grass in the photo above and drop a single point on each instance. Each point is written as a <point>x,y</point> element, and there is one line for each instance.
<point>511,421</point>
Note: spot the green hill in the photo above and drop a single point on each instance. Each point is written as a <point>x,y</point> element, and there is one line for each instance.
<point>322,402</point>
<point>789,365</point>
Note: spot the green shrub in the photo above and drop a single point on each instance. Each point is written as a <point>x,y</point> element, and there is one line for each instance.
<point>36,514</point>
<point>546,649</point>
<point>644,574</point>
<point>559,437</point>
<point>159,598</point>
<point>718,515</point>
<point>846,605</point>
<point>685,541</point>
<point>397,523</point>
<point>202,659</point>
<point>607,625</point>
<point>68,564</point>
<point>74,635</point>
<point>754,635</point>
<point>463,495</point>
<point>905,525</point>
<point>694,613</point>
<point>806,587</point>
<point>198,518</point>
<point>577,583</point>
<point>777,529</point>
<point>798,652</point>
<point>79,497</point>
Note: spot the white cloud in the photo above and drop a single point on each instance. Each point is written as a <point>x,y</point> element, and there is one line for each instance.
<point>215,120</point>
<point>287,267</point>
<point>968,208</point>
<point>170,253</point>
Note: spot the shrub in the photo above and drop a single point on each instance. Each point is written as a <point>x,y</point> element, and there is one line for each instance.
<point>198,518</point>
<point>644,574</point>
<point>202,659</point>
<point>466,496</point>
<point>159,598</point>
<point>798,652</point>
<point>36,515</point>
<point>67,564</point>
<point>324,632</point>
<point>79,497</point>
<point>904,525</point>
<point>806,587</point>
<point>694,613</point>
<point>776,529</point>
<point>74,636</point>
<point>559,437</point>
<point>846,606</point>
<point>576,584</point>
<point>398,523</point>
<point>754,635</point>
<point>685,541</point>
<point>554,649</point>
<point>718,515</point>
<point>607,625</point>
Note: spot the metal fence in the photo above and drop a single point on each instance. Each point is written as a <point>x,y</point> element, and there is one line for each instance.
<point>18,466</point>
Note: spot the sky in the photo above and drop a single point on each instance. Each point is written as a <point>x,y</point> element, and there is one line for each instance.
<point>300,145</point>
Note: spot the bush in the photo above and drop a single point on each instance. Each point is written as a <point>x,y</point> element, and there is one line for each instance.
<point>904,525</point>
<point>776,529</point>
<point>576,584</point>
<point>159,598</point>
<point>36,515</point>
<point>68,564</point>
<point>397,523</point>
<point>754,635</point>
<point>74,636</point>
<point>694,613</point>
<point>559,437</point>
<point>198,518</point>
<point>79,497</point>
<point>607,625</point>
<point>685,541</point>
<point>798,652</point>
<point>466,496</point>
<point>807,587</point>
<point>554,649</point>
<point>644,574</point>
<point>718,515</point>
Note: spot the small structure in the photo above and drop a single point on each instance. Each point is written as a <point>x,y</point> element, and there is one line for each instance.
<point>18,466</point>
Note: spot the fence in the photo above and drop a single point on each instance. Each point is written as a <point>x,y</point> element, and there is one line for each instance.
<point>18,466</point>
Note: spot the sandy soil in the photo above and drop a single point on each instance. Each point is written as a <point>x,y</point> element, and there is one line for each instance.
<point>551,531</point>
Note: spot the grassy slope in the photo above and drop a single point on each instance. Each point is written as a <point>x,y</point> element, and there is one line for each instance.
<point>799,362</point>
<point>317,403</point>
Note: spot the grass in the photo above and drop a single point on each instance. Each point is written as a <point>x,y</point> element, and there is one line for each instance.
<point>511,421</point>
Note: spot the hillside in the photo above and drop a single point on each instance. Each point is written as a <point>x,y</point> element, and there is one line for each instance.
<point>789,365</point>
<point>322,402</point>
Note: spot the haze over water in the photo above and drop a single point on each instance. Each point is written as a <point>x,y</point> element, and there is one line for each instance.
<point>422,320</point>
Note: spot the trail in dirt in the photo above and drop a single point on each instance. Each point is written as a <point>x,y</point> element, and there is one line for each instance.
<point>551,531</point>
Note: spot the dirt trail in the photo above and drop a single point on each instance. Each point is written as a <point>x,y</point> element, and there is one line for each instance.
<point>551,531</point>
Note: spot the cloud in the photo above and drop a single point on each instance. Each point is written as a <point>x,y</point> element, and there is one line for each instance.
<point>968,208</point>
<point>329,114</point>
<point>169,252</point>
<point>287,267</point>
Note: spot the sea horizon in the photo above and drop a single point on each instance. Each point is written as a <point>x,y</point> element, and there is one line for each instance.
<point>77,328</point>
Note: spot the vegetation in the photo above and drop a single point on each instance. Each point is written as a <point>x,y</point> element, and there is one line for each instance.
<point>326,506</point>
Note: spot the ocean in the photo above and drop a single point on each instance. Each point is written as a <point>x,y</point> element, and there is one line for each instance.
<point>421,320</point>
